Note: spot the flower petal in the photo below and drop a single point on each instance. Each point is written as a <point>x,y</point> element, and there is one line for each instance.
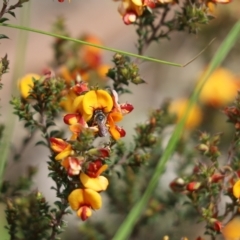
<point>236,189</point>
<point>92,198</point>
<point>99,183</point>
<point>97,99</point>
<point>76,198</point>
<point>84,212</point>
<point>65,153</point>
<point>58,144</point>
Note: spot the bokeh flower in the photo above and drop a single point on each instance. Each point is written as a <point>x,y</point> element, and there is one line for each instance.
<point>179,108</point>
<point>26,83</point>
<point>231,229</point>
<point>236,189</point>
<point>220,89</point>
<point>91,56</point>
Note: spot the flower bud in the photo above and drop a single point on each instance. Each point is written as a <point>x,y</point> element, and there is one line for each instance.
<point>177,185</point>
<point>193,186</point>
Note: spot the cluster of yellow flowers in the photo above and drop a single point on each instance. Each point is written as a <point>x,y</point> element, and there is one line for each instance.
<point>88,167</point>
<point>97,110</point>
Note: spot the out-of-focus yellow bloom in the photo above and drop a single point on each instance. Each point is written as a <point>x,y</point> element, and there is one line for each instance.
<point>220,1</point>
<point>92,100</point>
<point>83,200</point>
<point>91,56</point>
<point>220,88</point>
<point>26,83</point>
<point>232,229</point>
<point>102,70</point>
<point>236,189</point>
<point>211,7</point>
<point>97,184</point>
<point>179,107</point>
<point>67,102</point>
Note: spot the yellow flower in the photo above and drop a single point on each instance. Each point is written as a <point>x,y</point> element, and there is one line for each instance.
<point>67,102</point>
<point>179,107</point>
<point>97,184</point>
<point>26,84</point>
<point>236,189</point>
<point>135,6</point>
<point>112,118</point>
<point>83,200</point>
<point>220,88</point>
<point>92,100</point>
<point>91,56</point>
<point>231,230</point>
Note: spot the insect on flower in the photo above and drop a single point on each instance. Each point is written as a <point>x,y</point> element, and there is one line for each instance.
<point>100,119</point>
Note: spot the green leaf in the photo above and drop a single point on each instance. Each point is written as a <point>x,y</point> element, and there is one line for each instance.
<point>12,13</point>
<point>41,143</point>
<point>3,36</point>
<point>2,20</point>
<point>127,226</point>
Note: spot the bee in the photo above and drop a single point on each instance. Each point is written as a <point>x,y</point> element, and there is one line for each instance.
<point>100,119</point>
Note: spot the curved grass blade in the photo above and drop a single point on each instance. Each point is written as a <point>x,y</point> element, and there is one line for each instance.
<point>127,226</point>
<point>102,47</point>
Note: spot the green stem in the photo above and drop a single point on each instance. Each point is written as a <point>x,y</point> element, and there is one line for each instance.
<point>17,71</point>
<point>92,45</point>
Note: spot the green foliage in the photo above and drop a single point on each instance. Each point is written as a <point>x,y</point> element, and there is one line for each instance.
<point>123,73</point>
<point>27,218</point>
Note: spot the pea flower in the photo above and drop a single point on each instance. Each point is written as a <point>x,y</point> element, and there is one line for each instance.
<point>97,184</point>
<point>83,201</point>
<point>134,7</point>
<point>116,115</point>
<point>63,148</point>
<point>99,111</point>
<point>91,101</point>
<point>95,168</point>
<point>73,165</point>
